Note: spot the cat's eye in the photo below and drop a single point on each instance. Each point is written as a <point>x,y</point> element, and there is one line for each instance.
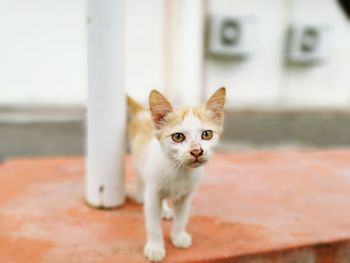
<point>207,135</point>
<point>178,137</point>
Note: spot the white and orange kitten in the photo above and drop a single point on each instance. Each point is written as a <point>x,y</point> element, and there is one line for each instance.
<point>170,147</point>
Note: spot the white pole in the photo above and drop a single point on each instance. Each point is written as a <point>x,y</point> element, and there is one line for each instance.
<point>187,50</point>
<point>106,104</point>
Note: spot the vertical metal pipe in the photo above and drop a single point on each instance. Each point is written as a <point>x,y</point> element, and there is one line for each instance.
<point>106,104</point>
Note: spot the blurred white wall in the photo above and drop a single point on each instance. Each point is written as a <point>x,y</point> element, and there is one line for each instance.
<point>328,84</point>
<point>43,54</point>
<point>264,80</point>
<point>144,49</point>
<point>258,79</point>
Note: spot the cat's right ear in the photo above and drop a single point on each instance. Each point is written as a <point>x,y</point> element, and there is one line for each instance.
<point>160,107</point>
<point>216,105</point>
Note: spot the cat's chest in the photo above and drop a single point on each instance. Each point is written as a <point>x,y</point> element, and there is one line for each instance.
<point>176,186</point>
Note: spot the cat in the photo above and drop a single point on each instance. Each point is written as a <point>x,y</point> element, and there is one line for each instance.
<point>170,147</point>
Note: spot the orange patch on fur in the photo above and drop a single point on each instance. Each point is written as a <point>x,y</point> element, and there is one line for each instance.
<point>140,132</point>
<point>178,115</point>
<point>140,126</point>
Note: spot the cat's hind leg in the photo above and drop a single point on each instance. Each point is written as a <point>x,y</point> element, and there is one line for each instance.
<point>136,194</point>
<point>167,212</point>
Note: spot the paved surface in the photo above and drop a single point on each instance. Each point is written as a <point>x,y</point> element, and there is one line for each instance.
<point>289,206</point>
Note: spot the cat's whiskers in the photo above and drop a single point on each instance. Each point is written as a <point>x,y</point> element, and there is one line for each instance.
<point>175,166</point>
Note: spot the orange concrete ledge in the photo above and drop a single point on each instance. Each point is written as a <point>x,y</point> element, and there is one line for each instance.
<point>250,207</point>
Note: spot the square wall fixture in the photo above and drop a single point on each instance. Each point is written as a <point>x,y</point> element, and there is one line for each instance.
<point>308,44</point>
<point>230,36</point>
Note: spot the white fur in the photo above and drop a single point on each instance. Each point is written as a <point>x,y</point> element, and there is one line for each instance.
<point>165,172</point>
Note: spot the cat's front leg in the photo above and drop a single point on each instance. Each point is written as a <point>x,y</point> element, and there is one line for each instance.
<point>154,249</point>
<point>179,237</point>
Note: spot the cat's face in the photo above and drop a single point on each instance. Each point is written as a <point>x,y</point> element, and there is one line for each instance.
<point>188,135</point>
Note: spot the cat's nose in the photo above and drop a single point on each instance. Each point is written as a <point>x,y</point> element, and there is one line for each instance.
<point>197,152</point>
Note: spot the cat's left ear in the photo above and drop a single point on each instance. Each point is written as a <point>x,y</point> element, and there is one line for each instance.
<point>216,105</point>
<point>160,107</point>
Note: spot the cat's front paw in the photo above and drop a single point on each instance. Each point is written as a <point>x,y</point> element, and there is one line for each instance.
<point>154,252</point>
<point>181,240</point>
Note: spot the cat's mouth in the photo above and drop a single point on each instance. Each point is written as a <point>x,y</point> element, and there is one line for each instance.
<point>196,163</point>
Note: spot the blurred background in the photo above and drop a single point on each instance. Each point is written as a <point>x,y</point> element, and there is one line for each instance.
<point>285,64</point>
